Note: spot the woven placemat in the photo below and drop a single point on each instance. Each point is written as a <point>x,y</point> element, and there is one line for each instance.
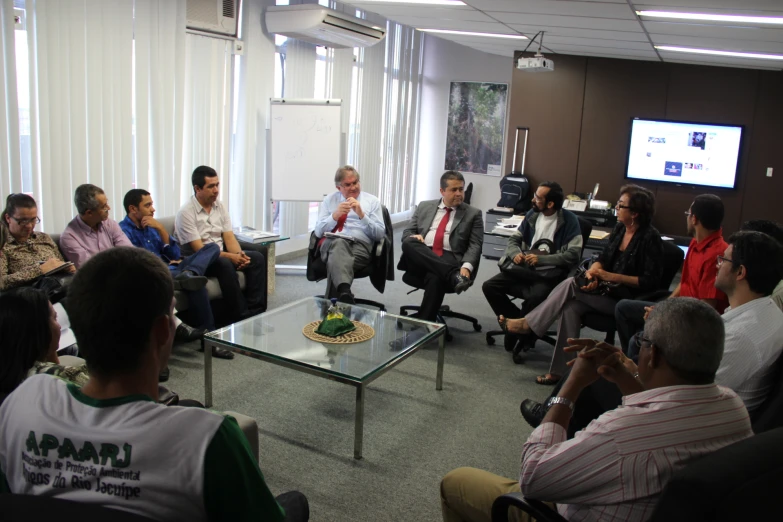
<point>362,333</point>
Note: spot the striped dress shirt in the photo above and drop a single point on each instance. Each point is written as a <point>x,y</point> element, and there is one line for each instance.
<point>616,468</point>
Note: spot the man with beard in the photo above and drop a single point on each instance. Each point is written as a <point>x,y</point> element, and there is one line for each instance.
<point>525,271</point>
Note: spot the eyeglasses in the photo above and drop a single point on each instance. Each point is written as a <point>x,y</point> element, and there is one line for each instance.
<point>25,222</point>
<point>641,341</point>
<point>688,213</point>
<point>620,205</point>
<point>538,198</point>
<point>721,259</point>
<point>349,185</point>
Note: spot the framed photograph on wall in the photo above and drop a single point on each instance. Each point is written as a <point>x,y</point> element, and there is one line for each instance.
<point>477,121</point>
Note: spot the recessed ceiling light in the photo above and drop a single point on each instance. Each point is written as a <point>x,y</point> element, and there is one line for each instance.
<point>469,33</point>
<point>713,17</point>
<point>428,2</point>
<point>758,56</point>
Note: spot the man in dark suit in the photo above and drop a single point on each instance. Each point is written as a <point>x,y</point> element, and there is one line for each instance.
<point>443,244</point>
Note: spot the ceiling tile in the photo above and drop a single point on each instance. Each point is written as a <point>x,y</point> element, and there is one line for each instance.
<point>458,25</point>
<point>723,44</point>
<point>638,36</point>
<point>646,58</point>
<point>559,7</point>
<point>756,5</point>
<point>419,11</point>
<point>569,21</point>
<point>740,8</point>
<point>554,41</point>
<point>711,31</point>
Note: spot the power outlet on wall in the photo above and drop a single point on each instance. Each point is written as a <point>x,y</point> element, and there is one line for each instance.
<point>769,172</point>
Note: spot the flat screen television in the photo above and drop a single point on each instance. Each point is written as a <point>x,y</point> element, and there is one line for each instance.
<point>684,153</point>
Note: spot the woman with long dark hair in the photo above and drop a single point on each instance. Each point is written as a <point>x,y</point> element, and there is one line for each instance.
<point>29,338</point>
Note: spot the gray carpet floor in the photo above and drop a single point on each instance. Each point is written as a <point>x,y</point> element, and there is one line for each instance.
<point>413,434</point>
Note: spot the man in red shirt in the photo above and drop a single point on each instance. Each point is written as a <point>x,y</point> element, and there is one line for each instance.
<point>704,218</point>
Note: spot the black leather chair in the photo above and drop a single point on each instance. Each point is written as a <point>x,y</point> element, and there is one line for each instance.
<point>586,228</point>
<point>738,482</point>
<point>34,508</point>
<point>380,269</point>
<point>468,193</point>
<point>769,415</point>
<point>445,311</point>
<point>672,261</point>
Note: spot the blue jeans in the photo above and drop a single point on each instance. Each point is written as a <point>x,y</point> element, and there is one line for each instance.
<point>199,300</point>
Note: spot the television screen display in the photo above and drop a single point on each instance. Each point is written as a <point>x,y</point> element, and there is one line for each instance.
<point>685,153</point>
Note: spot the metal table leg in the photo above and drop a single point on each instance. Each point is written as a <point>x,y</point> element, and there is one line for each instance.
<point>441,356</point>
<point>207,373</point>
<point>270,268</point>
<point>359,425</point>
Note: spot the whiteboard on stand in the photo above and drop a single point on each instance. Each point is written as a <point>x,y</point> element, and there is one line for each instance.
<point>305,148</point>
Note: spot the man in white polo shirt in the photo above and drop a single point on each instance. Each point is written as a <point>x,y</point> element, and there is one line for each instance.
<point>204,220</point>
<point>109,442</point>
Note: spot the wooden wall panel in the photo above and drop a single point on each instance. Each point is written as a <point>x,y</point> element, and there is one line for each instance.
<point>615,91</point>
<point>550,104</point>
<point>763,196</point>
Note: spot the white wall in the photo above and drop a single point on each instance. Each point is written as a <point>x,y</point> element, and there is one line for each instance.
<point>444,62</point>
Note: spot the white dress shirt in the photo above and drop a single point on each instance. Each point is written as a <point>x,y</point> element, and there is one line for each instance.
<point>754,342</point>
<point>194,222</point>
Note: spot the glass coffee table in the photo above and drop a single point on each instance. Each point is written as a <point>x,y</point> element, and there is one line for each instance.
<point>276,337</point>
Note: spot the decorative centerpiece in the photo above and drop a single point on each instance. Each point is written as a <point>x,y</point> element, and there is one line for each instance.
<point>336,328</point>
<point>336,323</point>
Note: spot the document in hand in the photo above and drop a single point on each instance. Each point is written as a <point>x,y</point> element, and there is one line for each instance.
<point>341,235</point>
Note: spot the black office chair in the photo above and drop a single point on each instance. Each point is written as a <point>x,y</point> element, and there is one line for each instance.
<point>586,228</point>
<point>380,269</point>
<point>468,193</point>
<point>738,482</point>
<point>769,415</point>
<point>445,311</point>
<point>672,261</point>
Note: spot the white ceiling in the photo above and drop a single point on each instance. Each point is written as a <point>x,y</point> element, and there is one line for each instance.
<point>608,28</point>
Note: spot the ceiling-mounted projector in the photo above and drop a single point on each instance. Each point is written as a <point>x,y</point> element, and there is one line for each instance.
<point>535,63</point>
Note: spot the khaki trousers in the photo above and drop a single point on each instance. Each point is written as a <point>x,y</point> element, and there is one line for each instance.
<point>467,494</point>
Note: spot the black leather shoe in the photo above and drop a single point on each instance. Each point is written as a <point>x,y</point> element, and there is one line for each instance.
<point>510,341</point>
<point>533,412</point>
<point>347,298</point>
<point>163,376</point>
<point>461,283</point>
<point>220,353</point>
<point>185,333</point>
<point>188,281</point>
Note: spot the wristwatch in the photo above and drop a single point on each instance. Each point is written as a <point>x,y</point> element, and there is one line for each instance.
<point>561,400</point>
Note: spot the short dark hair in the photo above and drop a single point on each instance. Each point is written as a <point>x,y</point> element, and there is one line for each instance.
<point>765,226</point>
<point>85,198</point>
<point>113,301</point>
<point>641,201</point>
<point>24,329</point>
<point>197,179</point>
<point>449,175</point>
<point>19,200</point>
<point>708,209</point>
<point>133,198</point>
<point>555,194</point>
<point>762,258</point>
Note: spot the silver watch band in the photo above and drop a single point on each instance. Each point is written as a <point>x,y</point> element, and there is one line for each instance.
<point>562,400</point>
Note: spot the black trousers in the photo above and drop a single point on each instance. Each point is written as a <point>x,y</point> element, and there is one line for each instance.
<point>497,289</point>
<point>236,304</point>
<point>437,273</point>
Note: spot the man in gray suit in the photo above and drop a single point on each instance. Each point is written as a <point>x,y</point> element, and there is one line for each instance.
<point>443,244</point>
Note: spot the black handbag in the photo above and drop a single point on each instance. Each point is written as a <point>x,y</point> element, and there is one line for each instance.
<point>525,272</point>
<point>614,290</point>
<point>52,287</point>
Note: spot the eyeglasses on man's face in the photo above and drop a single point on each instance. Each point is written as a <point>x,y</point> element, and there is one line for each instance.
<point>25,222</point>
<point>719,261</point>
<point>620,205</point>
<point>349,185</point>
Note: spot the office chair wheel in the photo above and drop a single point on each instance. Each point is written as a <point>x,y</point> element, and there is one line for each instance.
<point>490,339</point>
<point>477,327</point>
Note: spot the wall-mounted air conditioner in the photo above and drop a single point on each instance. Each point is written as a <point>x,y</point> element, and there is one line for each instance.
<point>322,26</point>
<point>213,16</point>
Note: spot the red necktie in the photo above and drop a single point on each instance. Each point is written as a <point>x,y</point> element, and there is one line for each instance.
<point>437,245</point>
<point>339,228</point>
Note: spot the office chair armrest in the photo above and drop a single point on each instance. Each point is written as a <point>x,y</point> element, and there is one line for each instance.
<point>537,509</point>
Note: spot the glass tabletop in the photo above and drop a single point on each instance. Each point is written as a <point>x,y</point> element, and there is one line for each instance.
<point>278,334</point>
